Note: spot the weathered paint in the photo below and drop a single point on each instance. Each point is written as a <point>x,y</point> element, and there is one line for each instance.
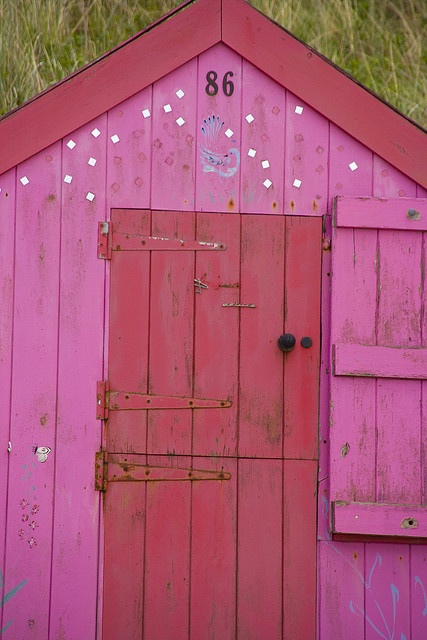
<point>56,343</point>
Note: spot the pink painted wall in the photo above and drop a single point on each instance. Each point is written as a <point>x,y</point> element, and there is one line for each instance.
<point>171,146</point>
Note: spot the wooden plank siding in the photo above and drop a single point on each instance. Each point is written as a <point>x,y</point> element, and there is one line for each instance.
<point>53,318</point>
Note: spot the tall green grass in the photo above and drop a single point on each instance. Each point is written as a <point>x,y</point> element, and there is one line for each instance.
<point>379,42</point>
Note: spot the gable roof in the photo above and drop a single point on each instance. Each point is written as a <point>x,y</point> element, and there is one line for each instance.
<point>183,34</point>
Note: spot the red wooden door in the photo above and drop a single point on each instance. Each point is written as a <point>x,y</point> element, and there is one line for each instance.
<point>212,431</point>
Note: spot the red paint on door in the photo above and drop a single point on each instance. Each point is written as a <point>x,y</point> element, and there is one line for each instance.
<point>226,549</point>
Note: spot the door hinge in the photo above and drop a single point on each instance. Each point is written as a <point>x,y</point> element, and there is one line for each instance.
<point>101,470</point>
<point>107,401</point>
<point>104,240</point>
<point>102,397</point>
<point>114,467</point>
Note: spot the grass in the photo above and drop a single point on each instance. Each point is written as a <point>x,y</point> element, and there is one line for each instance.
<point>379,42</point>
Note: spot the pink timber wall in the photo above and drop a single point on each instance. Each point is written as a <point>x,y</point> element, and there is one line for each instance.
<point>146,153</point>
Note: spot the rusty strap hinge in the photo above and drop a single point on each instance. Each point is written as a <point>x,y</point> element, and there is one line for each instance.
<point>109,240</point>
<point>113,468</point>
<point>107,401</point>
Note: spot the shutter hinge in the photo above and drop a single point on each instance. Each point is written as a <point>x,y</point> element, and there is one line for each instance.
<point>104,240</point>
<point>101,470</point>
<point>102,398</point>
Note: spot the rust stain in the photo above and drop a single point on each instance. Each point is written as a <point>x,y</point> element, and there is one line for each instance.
<point>43,419</point>
<point>230,204</point>
<point>314,205</point>
<point>274,205</point>
<point>292,203</point>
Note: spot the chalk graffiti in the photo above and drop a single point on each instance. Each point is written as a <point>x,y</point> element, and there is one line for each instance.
<point>387,629</point>
<point>8,595</point>
<point>418,582</point>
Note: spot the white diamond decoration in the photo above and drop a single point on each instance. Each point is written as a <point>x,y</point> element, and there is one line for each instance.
<point>24,180</point>
<point>146,113</point>
<point>90,196</point>
<point>267,183</point>
<point>297,183</point>
<point>71,144</point>
<point>68,178</point>
<point>249,118</point>
<point>167,108</point>
<point>95,132</point>
<point>252,153</point>
<point>180,122</point>
<point>115,139</point>
<point>180,93</point>
<point>353,166</point>
<point>229,133</point>
<point>299,110</point>
<point>92,162</point>
<point>265,164</point>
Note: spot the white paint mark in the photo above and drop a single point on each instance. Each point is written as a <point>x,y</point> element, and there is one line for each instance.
<point>24,180</point>
<point>250,118</point>
<point>95,132</point>
<point>167,108</point>
<point>115,139</point>
<point>299,110</point>
<point>180,121</point>
<point>146,113</point>
<point>353,166</point>
<point>90,196</point>
<point>92,162</point>
<point>267,183</point>
<point>229,133</point>
<point>71,144</point>
<point>297,183</point>
<point>252,153</point>
<point>265,164</point>
<point>68,178</point>
<point>180,93</point>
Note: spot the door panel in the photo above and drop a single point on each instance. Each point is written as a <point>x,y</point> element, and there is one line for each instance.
<point>209,528</point>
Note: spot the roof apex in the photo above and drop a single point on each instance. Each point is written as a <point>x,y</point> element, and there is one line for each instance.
<point>189,30</point>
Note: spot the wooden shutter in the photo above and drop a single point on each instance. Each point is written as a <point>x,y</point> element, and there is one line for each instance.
<point>379,366</point>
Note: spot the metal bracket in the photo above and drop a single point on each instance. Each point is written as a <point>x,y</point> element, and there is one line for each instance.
<point>101,470</point>
<point>102,389</point>
<point>239,304</point>
<point>104,240</point>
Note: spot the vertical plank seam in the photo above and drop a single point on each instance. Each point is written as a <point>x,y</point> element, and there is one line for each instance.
<point>236,602</point>
<point>12,337</point>
<point>193,364</point>
<point>58,320</point>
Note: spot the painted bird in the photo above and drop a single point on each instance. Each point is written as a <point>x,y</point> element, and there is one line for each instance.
<point>211,157</point>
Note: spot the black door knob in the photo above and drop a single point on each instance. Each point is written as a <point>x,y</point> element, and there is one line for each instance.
<point>286,342</point>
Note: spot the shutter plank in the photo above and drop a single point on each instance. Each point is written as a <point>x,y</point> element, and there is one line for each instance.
<point>386,362</point>
<point>379,519</point>
<point>381,213</point>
